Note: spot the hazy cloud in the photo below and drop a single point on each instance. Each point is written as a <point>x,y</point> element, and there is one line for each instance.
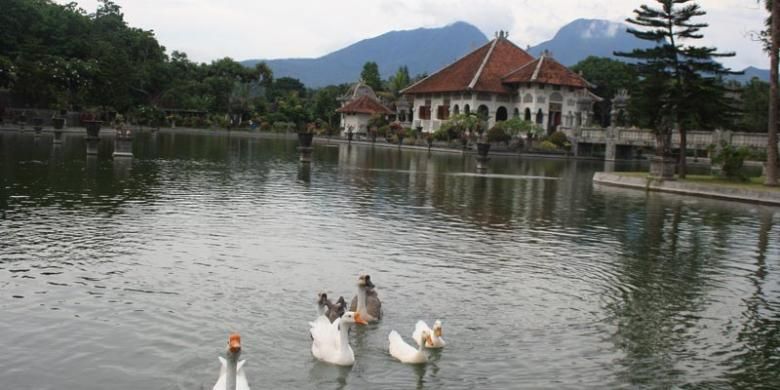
<point>243,29</point>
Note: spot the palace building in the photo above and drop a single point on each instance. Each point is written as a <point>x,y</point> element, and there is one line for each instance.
<point>498,81</point>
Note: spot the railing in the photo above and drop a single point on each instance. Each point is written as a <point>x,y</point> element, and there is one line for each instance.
<point>643,137</point>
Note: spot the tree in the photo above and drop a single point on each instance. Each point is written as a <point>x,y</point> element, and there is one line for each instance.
<point>754,99</point>
<point>370,75</point>
<point>284,86</point>
<point>609,76</point>
<point>676,79</point>
<point>326,103</point>
<point>399,81</point>
<point>771,163</point>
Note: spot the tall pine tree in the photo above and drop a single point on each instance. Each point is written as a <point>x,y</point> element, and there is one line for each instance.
<point>681,86</point>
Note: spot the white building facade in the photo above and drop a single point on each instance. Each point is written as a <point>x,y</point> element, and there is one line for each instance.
<point>500,81</point>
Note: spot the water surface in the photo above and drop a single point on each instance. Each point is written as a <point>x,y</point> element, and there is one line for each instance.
<point>130,274</point>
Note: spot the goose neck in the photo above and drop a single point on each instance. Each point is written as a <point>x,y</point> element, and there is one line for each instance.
<point>343,336</point>
<point>232,371</point>
<point>361,303</point>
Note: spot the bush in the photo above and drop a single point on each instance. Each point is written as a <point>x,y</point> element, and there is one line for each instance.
<point>219,121</point>
<point>731,160</point>
<point>497,134</point>
<point>558,138</point>
<point>281,127</point>
<point>441,135</point>
<point>548,146</point>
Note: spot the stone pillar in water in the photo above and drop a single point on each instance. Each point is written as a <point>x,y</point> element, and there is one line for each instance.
<point>610,142</point>
<point>123,144</point>
<point>92,139</point>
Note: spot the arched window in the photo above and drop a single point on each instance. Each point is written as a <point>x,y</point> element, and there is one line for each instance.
<point>483,112</point>
<point>466,109</point>
<point>516,113</point>
<point>456,110</point>
<point>528,98</point>
<point>539,117</point>
<point>527,115</point>
<point>556,97</point>
<point>501,114</point>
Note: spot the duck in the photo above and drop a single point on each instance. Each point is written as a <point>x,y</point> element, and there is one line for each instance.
<point>435,341</point>
<point>330,341</point>
<point>231,374</point>
<point>329,309</point>
<point>367,302</point>
<point>406,353</point>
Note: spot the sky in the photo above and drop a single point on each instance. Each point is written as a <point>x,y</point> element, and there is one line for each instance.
<point>263,29</point>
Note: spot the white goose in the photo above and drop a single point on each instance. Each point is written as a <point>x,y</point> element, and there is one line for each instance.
<point>404,352</point>
<point>231,374</point>
<point>435,341</point>
<point>330,341</point>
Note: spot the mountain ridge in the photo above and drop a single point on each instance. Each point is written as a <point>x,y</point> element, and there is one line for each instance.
<point>422,50</point>
<point>427,50</point>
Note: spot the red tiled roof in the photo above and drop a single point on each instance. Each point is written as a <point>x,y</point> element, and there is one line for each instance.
<point>480,70</point>
<point>545,70</point>
<point>364,105</point>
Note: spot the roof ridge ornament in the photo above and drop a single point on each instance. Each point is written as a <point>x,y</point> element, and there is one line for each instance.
<point>501,34</point>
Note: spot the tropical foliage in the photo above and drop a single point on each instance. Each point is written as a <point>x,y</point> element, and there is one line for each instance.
<point>680,85</point>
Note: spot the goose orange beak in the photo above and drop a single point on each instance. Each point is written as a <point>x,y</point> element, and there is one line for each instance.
<point>234,342</point>
<point>429,340</point>
<point>360,320</point>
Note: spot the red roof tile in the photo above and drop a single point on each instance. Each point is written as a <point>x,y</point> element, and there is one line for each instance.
<point>545,70</point>
<point>480,71</point>
<point>364,105</point>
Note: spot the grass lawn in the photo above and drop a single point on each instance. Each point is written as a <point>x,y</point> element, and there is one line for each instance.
<point>755,183</point>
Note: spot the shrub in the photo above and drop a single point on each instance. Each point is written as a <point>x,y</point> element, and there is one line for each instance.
<point>281,127</point>
<point>383,131</point>
<point>441,135</point>
<point>497,134</point>
<point>548,146</point>
<point>558,138</point>
<point>731,160</point>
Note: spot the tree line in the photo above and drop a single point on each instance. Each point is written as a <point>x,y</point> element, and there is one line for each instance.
<point>65,58</point>
<point>62,57</point>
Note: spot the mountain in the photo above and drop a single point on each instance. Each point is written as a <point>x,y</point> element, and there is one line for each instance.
<point>423,50</point>
<point>589,37</point>
<point>750,72</point>
<point>426,50</point>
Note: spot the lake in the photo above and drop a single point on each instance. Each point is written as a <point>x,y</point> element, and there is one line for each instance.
<point>130,274</point>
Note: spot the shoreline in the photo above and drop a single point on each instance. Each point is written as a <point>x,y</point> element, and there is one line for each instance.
<point>110,133</point>
<point>768,196</point>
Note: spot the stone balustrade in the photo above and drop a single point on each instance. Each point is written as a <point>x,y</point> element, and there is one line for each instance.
<point>612,137</point>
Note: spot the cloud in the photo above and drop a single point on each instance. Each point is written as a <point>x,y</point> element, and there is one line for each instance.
<point>601,29</point>
<point>242,29</point>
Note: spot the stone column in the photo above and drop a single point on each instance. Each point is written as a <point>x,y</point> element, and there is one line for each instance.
<point>610,142</point>
<point>574,140</point>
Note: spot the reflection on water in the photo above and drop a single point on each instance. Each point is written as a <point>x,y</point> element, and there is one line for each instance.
<point>131,271</point>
